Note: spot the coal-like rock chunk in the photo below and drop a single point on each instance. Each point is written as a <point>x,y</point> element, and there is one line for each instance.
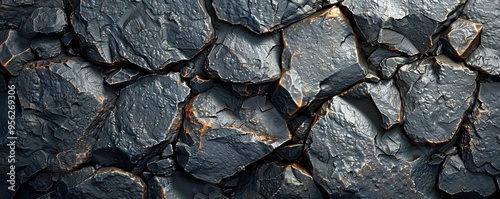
<point>223,134</point>
<point>316,71</point>
<point>47,47</point>
<point>67,38</point>
<point>159,166</point>
<point>406,26</point>
<point>63,101</point>
<point>264,16</point>
<point>148,33</point>
<point>3,84</point>
<point>146,114</point>
<point>45,21</point>
<point>240,56</point>
<point>15,51</point>
<point>122,77</point>
<point>462,38</point>
<point>246,91</point>
<point>389,66</point>
<point>16,12</point>
<point>290,152</point>
<point>109,182</point>
<point>178,186</point>
<point>386,97</point>
<point>436,92</point>
<point>456,180</point>
<point>277,180</point>
<point>485,60</point>
<point>167,151</point>
<point>199,84</point>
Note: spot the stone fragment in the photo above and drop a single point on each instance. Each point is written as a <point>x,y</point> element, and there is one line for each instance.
<point>15,51</point>
<point>457,181</point>
<point>67,38</point>
<point>386,97</point>
<point>436,93</point>
<point>147,114</point>
<point>179,186</point>
<point>159,166</point>
<point>167,151</point>
<point>389,66</point>
<point>264,16</point>
<point>122,77</point>
<point>62,101</point>
<point>223,134</point>
<point>199,84</point>
<point>16,12</point>
<point>148,33</point>
<point>47,47</point>
<point>406,26</point>
<point>315,71</point>
<point>45,21</point>
<point>240,56</point>
<point>246,91</point>
<point>290,152</point>
<point>485,60</point>
<point>277,180</point>
<point>3,84</point>
<point>461,38</point>
<point>42,182</point>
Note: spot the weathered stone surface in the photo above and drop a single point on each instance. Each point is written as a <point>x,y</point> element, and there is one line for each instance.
<point>317,71</point>
<point>47,47</point>
<point>352,157</point>
<point>179,186</point>
<point>406,26</point>
<point>386,97</point>
<point>456,180</point>
<point>462,38</point>
<point>3,84</point>
<point>62,100</point>
<point>159,166</point>
<point>67,38</point>
<point>167,151</point>
<point>277,180</point>
<point>15,12</point>
<point>223,134</point>
<point>485,60</point>
<point>122,77</point>
<point>290,152</point>
<point>42,182</point>
<point>246,91</point>
<point>15,51</point>
<point>146,114</point>
<point>389,66</point>
<point>240,56</point>
<point>436,92</point>
<point>149,33</point>
<point>264,16</point>
<point>45,21</point>
<point>199,84</point>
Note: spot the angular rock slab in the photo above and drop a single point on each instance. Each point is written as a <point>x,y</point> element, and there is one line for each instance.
<point>456,180</point>
<point>264,16</point>
<point>462,38</point>
<point>47,47</point>
<point>277,180</point>
<point>14,51</point>
<point>223,134</point>
<point>109,182</point>
<point>436,93</point>
<point>146,114</point>
<point>149,33</point>
<point>407,26</point>
<point>352,157</point>
<point>318,71</point>
<point>178,186</point>
<point>63,101</point>
<point>122,77</point>
<point>240,56</point>
<point>45,21</point>
<point>16,12</point>
<point>387,98</point>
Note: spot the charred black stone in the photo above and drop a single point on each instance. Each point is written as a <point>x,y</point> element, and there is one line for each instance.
<point>15,51</point>
<point>386,97</point>
<point>240,56</point>
<point>16,12</point>
<point>264,16</point>
<point>159,166</point>
<point>47,47</point>
<point>199,84</point>
<point>462,38</point>
<point>67,38</point>
<point>246,91</point>
<point>122,77</point>
<point>456,180</point>
<point>42,182</point>
<point>148,33</point>
<point>167,151</point>
<point>277,180</point>
<point>436,92</point>
<point>317,71</point>
<point>179,186</point>
<point>45,21</point>
<point>146,114</point>
<point>223,134</point>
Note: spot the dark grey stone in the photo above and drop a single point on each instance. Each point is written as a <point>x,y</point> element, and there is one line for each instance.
<point>290,152</point>
<point>246,91</point>
<point>178,186</point>
<point>47,47</point>
<point>386,97</point>
<point>461,39</point>
<point>122,77</point>
<point>45,21</point>
<point>159,166</point>
<point>199,84</point>
<point>16,12</point>
<point>15,51</point>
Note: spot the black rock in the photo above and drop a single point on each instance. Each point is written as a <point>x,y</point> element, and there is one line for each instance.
<point>167,151</point>
<point>290,152</point>
<point>122,77</point>
<point>45,21</point>
<point>223,134</point>
<point>159,166</point>
<point>179,186</point>
<point>148,33</point>
<point>436,93</point>
<point>277,180</point>
<point>386,97</point>
<point>389,66</point>
<point>15,51</point>
<point>47,47</point>
<point>461,39</point>
<point>67,38</point>
<point>240,56</point>
<point>16,12</point>
<point>42,182</point>
<point>199,84</point>
<point>3,84</point>
<point>457,181</point>
<point>317,71</point>
<point>406,26</point>
<point>246,91</point>
<point>63,101</point>
<point>264,16</point>
<point>146,114</point>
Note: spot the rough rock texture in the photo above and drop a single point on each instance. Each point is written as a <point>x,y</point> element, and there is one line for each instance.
<point>223,134</point>
<point>45,21</point>
<point>179,186</point>
<point>240,56</point>
<point>47,47</point>
<point>436,92</point>
<point>14,51</point>
<point>277,180</point>
<point>122,77</point>
<point>264,16</point>
<point>149,33</point>
<point>16,12</point>
<point>317,71</point>
<point>462,38</point>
